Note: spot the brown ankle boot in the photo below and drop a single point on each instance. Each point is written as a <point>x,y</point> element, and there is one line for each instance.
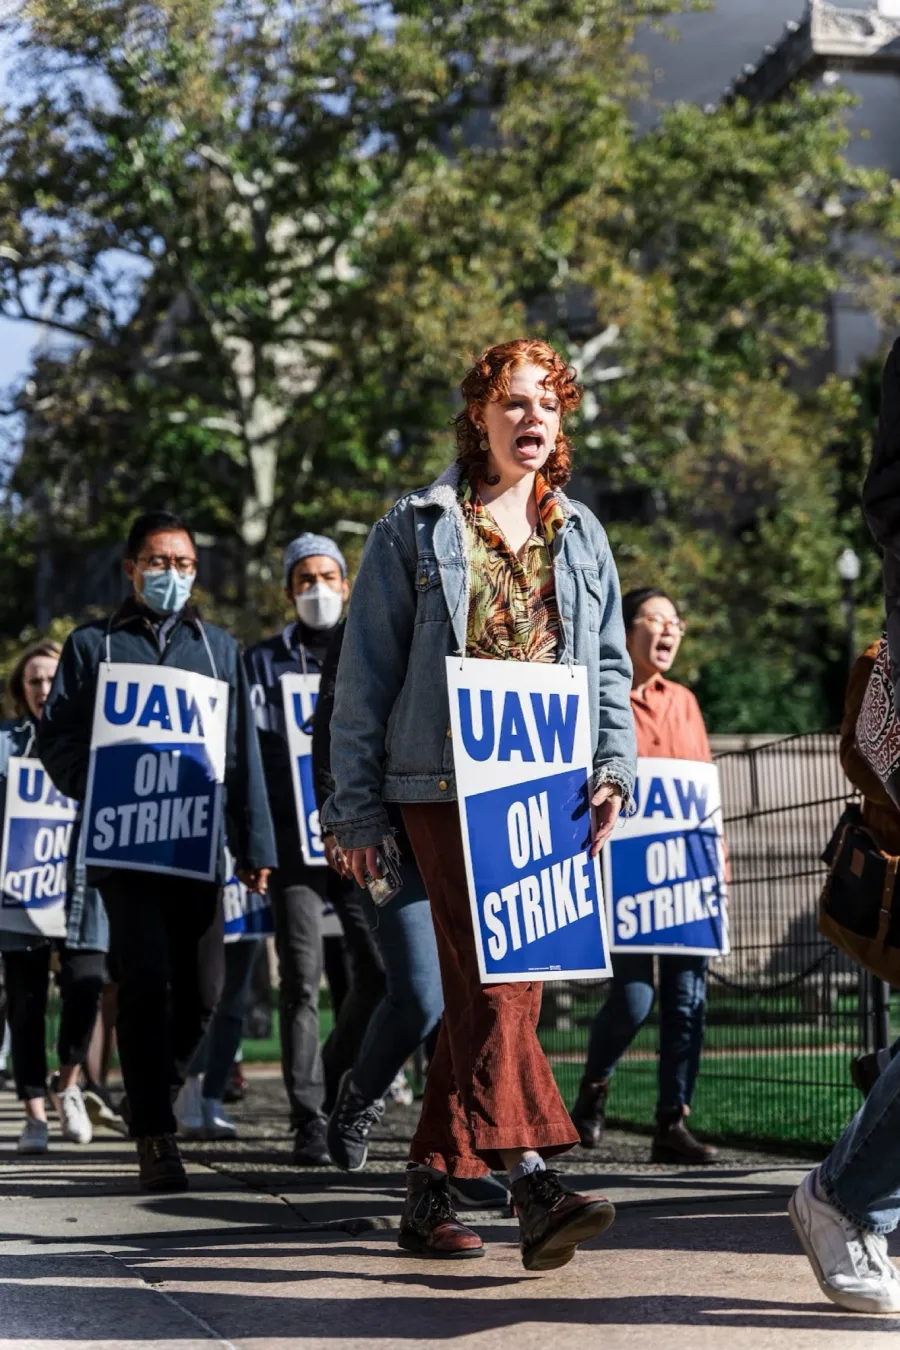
<point>589,1111</point>
<point>674,1143</point>
<point>428,1224</point>
<point>553,1221</point>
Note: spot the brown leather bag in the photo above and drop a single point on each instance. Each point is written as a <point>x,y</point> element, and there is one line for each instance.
<point>859,909</point>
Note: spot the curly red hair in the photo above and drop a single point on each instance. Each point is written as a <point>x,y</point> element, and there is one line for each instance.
<point>488,381</point>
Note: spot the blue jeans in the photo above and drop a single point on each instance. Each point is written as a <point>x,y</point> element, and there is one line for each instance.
<point>861,1175</point>
<point>413,1002</point>
<point>215,1053</point>
<point>682,1017</point>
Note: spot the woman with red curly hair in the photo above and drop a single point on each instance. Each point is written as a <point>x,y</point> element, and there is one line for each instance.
<point>492,561</point>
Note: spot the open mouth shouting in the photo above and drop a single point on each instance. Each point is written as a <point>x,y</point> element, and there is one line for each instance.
<point>530,443</point>
<point>664,649</point>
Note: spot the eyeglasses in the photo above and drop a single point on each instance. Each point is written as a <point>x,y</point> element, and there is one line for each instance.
<point>162,562</point>
<point>660,622</point>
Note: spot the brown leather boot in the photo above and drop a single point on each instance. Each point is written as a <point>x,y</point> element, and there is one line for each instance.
<point>589,1111</point>
<point>553,1221</point>
<point>428,1224</point>
<point>674,1143</point>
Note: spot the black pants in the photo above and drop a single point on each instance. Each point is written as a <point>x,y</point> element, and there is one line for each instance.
<point>80,985</point>
<point>311,1075</point>
<point>166,940</point>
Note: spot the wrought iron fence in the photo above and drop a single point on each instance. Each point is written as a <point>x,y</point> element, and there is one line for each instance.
<point>785,1011</point>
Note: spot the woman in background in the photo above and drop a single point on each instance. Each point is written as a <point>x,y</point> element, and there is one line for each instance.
<point>669,725</point>
<point>27,955</point>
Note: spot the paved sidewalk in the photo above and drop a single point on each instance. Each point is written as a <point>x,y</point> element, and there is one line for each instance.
<point>258,1255</point>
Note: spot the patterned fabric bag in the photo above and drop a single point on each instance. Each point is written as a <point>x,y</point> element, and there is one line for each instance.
<point>878,728</point>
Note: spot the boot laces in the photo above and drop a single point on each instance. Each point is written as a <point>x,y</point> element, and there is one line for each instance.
<point>434,1206</point>
<point>161,1146</point>
<point>546,1187</point>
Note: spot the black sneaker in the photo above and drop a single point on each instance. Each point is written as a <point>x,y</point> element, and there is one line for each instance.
<point>160,1164</point>
<point>310,1147</point>
<point>349,1124</point>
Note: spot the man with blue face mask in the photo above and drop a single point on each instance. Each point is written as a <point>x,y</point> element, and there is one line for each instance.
<point>165,929</point>
<point>316,587</point>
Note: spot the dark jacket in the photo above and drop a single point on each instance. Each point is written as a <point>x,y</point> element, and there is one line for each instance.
<point>64,732</point>
<point>881,502</point>
<point>284,654</point>
<point>86,923</point>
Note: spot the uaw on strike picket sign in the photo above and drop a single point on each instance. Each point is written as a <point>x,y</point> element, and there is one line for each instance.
<point>37,831</point>
<point>154,795</point>
<point>300,693</point>
<point>665,864</point>
<point>522,755</point>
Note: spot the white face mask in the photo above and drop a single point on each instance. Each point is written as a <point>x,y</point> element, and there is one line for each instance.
<point>320,606</point>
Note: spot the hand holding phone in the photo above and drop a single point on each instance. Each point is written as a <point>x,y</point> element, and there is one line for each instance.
<point>384,888</point>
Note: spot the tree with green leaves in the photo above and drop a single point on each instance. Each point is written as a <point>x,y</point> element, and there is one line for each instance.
<point>274,234</point>
<point>275,231</point>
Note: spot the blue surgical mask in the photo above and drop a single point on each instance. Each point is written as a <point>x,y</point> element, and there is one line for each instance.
<point>166,592</point>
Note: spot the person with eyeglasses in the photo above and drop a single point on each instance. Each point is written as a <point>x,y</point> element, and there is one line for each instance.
<point>669,725</point>
<point>166,931</point>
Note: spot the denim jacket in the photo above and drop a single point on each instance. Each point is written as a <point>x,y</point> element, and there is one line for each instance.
<point>390,732</point>
<point>86,924</point>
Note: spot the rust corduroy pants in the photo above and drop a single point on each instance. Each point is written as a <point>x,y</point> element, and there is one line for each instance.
<point>489,1086</point>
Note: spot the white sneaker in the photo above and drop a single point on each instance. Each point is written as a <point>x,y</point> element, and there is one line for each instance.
<point>189,1109</point>
<point>35,1137</point>
<point>852,1266</point>
<point>75,1121</point>
<point>400,1093</point>
<point>217,1123</point>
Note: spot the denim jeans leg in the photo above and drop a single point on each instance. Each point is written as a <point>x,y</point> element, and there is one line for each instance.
<point>682,1021</point>
<point>413,1001</point>
<point>623,1014</point>
<point>861,1175</point>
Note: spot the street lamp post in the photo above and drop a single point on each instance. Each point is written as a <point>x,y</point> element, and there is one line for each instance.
<point>848,567</point>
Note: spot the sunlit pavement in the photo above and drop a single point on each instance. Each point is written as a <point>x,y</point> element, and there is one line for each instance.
<point>259,1255</point>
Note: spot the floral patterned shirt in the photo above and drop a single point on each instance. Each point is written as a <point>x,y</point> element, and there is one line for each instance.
<point>512,606</point>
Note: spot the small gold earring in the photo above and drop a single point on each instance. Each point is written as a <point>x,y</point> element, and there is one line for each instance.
<point>484,444</point>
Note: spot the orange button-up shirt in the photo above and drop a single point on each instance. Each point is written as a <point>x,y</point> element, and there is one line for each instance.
<point>669,722</point>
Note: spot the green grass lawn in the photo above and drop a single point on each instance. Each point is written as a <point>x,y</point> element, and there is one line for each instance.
<point>803,1099</point>
<point>779,1080</point>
